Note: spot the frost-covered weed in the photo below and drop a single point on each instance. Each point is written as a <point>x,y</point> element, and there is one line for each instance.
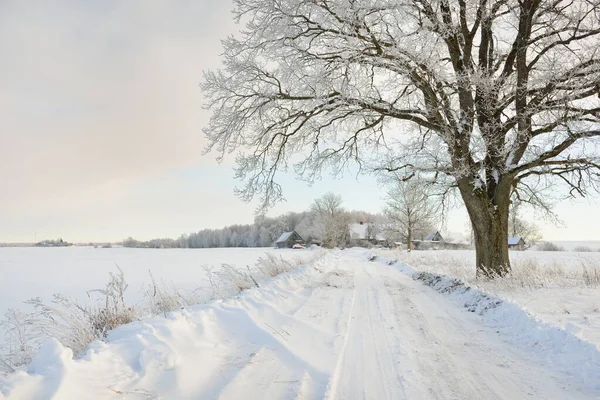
<point>229,281</point>
<point>590,273</point>
<point>528,271</point>
<point>161,299</point>
<point>71,322</point>
<point>271,265</point>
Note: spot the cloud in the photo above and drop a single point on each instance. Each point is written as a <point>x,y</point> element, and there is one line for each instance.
<point>100,105</point>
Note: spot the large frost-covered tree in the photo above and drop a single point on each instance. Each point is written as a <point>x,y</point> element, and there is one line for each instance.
<point>486,98</point>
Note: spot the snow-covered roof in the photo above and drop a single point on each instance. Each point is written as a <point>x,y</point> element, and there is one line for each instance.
<point>513,241</point>
<point>358,231</point>
<point>432,237</point>
<point>456,238</point>
<point>284,237</point>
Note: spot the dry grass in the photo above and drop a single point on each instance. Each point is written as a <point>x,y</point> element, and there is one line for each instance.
<point>71,322</point>
<point>271,266</point>
<point>590,274</point>
<point>229,281</point>
<point>582,249</point>
<point>163,298</point>
<point>528,270</point>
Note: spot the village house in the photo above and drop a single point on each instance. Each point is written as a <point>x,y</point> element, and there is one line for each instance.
<point>430,241</point>
<point>456,241</point>
<point>516,243</point>
<point>366,234</point>
<point>288,240</point>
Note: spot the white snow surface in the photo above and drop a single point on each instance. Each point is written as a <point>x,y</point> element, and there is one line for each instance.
<point>340,328</point>
<point>548,284</point>
<point>29,272</point>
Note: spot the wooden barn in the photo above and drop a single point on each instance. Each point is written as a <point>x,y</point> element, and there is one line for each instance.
<point>433,237</point>
<point>366,235</point>
<point>287,240</point>
<point>516,243</point>
<point>430,241</point>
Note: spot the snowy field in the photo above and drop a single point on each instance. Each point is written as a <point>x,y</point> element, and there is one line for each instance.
<point>40,272</point>
<point>343,327</point>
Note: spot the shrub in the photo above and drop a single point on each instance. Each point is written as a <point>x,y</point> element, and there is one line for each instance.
<point>582,249</point>
<point>549,246</point>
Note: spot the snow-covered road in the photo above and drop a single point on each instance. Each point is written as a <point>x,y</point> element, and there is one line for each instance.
<point>343,328</point>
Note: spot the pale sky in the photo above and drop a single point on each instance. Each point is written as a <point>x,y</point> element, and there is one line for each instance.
<point>101,127</point>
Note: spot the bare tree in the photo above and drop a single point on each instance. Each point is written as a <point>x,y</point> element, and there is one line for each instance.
<point>487,98</point>
<point>328,205</point>
<point>332,220</point>
<point>519,227</point>
<point>409,210</point>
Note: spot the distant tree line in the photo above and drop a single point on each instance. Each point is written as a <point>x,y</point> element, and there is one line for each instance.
<point>325,223</point>
<point>53,243</point>
<point>409,214</point>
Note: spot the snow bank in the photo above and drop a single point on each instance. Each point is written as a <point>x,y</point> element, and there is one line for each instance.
<point>169,355</point>
<point>559,287</point>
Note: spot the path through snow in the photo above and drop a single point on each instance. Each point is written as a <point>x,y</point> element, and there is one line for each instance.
<point>344,328</point>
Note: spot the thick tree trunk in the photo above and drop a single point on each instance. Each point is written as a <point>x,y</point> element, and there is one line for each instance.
<point>491,248</point>
<point>409,240</point>
<point>489,218</point>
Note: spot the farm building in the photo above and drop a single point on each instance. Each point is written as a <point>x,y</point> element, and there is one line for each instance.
<point>288,240</point>
<point>433,237</point>
<point>456,241</point>
<point>516,243</point>
<point>429,241</point>
<point>365,234</point>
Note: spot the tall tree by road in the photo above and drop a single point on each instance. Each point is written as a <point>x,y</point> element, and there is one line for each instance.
<point>487,98</point>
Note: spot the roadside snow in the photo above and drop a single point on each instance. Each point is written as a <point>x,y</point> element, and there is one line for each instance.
<point>548,285</point>
<point>559,349</point>
<point>341,328</point>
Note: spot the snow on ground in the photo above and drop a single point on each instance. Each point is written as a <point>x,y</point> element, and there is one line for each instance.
<point>551,285</point>
<point>341,328</point>
<point>30,272</point>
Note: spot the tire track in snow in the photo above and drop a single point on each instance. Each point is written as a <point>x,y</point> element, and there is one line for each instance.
<point>308,330</point>
<point>366,367</point>
<point>334,380</point>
